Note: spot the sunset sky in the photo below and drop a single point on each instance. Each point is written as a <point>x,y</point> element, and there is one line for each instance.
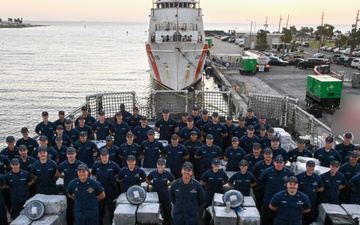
<point>224,11</point>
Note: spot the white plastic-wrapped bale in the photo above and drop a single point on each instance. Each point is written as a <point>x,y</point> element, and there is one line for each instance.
<point>249,201</point>
<point>218,200</point>
<point>21,220</point>
<point>59,219</point>
<point>122,199</point>
<point>151,197</point>
<point>304,159</point>
<point>352,209</point>
<point>125,214</point>
<point>148,213</point>
<point>249,216</point>
<point>326,209</point>
<point>54,204</point>
<point>222,217</point>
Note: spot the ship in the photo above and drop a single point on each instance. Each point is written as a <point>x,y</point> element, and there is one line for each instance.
<point>176,46</point>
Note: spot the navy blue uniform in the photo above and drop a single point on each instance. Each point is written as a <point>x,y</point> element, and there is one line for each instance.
<point>30,143</point>
<point>214,184</point>
<point>105,174</point>
<point>73,134</point>
<point>46,129</point>
<point>119,131</point>
<point>66,140</point>
<point>59,122</point>
<point>227,139</point>
<point>290,207</point>
<point>260,167</point>
<point>85,152</point>
<point>252,160</point>
<point>186,199</point>
<point>185,133</point>
<point>355,184</point>
<point>349,171</point>
<point>265,142</point>
<point>238,132</point>
<point>242,182</point>
<point>246,143</point>
<point>294,153</point>
<point>279,151</point>
<point>89,120</point>
<point>4,164</point>
<point>133,122</point>
<point>45,173</point>
<point>141,134</point>
<point>101,129</point>
<point>10,154</point>
<point>331,187</point>
<point>251,121</point>
<point>326,157</point>
<point>207,154</point>
<point>87,129</point>
<point>167,128</point>
<point>134,149</point>
<point>27,164</point>
<point>174,158</point>
<point>114,153</point>
<point>52,154</point>
<point>217,130</point>
<point>196,118</point>
<point>160,185</point>
<point>3,212</point>
<point>129,178</point>
<point>344,150</point>
<point>181,124</point>
<point>151,151</point>
<point>86,203</point>
<point>192,147</point>
<point>234,156</point>
<point>61,152</point>
<point>201,123</point>
<point>258,126</point>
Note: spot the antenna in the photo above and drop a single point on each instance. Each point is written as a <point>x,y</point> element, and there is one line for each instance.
<point>279,24</point>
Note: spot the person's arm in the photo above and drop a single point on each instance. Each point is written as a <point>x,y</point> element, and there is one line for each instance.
<point>273,208</point>
<point>71,196</point>
<point>253,184</point>
<point>101,196</point>
<point>306,211</point>
<point>60,175</point>
<point>148,181</point>
<point>321,189</point>
<point>203,183</point>
<point>31,182</point>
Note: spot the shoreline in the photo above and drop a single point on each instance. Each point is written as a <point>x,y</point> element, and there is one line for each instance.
<point>17,25</point>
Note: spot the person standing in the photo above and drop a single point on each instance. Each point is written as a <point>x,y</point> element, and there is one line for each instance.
<point>250,119</point>
<point>11,151</point>
<point>141,130</point>
<point>51,153</point>
<point>45,127</point>
<point>246,142</point>
<point>243,180</point>
<point>160,179</point>
<point>134,120</point>
<point>346,147</point>
<point>175,154</point>
<point>233,155</point>
<point>130,148</point>
<point>240,130</point>
<point>151,149</point>
<point>114,151</point>
<point>349,169</point>
<point>185,132</point>
<point>354,185</point>
<point>3,211</point>
<point>166,126</point>
<point>66,140</point>
<point>195,114</point>
<point>85,149</point>
<point>334,181</point>
<point>82,126</point>
<point>216,129</point>
<point>327,154</point>
<point>290,204</point>
<point>187,196</point>
<point>229,126</point>
<point>25,160</point>
<point>89,120</point>
<point>255,156</point>
<point>130,175</point>
<point>192,145</point>
<point>105,172</point>
<point>71,132</point>
<point>86,193</point>
<point>61,120</point>
<point>29,142</point>
<point>119,129</point>
<point>299,151</point>
<point>101,127</point>
<point>312,185</point>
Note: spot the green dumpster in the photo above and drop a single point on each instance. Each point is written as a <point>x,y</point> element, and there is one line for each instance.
<point>209,41</point>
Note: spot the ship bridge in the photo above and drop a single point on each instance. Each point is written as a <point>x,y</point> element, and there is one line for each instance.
<point>176,3</point>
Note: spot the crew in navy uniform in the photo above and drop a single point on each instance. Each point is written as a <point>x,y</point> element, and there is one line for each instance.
<point>67,170</point>
<point>272,180</point>
<point>4,164</point>
<point>85,149</point>
<point>160,180</point>
<point>290,204</point>
<point>277,149</point>
<point>357,150</point>
<point>327,154</point>
<point>185,131</point>
<point>233,155</point>
<point>82,126</point>
<point>175,154</point>
<point>182,123</point>
<point>266,141</point>
<point>86,192</point>
<point>195,114</point>
<point>262,133</point>
<point>71,132</point>
<point>11,151</point>
<point>101,127</point>
<point>349,169</point>
<point>310,184</point>
<point>44,172</point>
<point>216,129</point>
<point>346,147</point>
<point>151,149</point>
<point>26,161</point>
<point>229,126</point>
<point>60,133</point>
<point>334,181</point>
<point>140,131</point>
<point>60,149</point>
<point>206,153</point>
<point>240,130</point>
<point>166,126</point>
<point>187,195</point>
<point>114,151</point>
<point>119,130</point>
<point>51,153</point>
<point>105,172</point>
<point>125,114</point>
<point>354,185</point>
<point>61,120</point>
<point>250,119</point>
<point>246,142</point>
<point>45,127</point>
<point>89,120</point>
<point>213,180</point>
<point>18,182</point>
<point>204,120</point>
<point>262,123</point>
<point>130,175</point>
<point>29,142</point>
<point>134,120</point>
<point>243,180</point>
<point>255,156</point>
<point>130,148</point>
<point>299,151</point>
<point>192,145</point>
<point>3,211</point>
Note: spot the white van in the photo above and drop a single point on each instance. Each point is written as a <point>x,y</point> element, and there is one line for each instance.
<point>240,41</point>
<point>355,63</point>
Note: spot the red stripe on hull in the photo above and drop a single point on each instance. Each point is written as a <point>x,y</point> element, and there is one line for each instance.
<point>200,63</point>
<point>153,63</point>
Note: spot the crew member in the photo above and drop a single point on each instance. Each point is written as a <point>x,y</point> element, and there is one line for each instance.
<point>246,142</point>
<point>183,122</point>
<point>166,126</point>
<point>140,131</point>
<point>195,114</point>
<point>277,149</point>
<point>71,132</point>
<point>89,120</point>
<point>60,133</point>
<point>266,141</point>
<point>101,127</point>
<point>240,130</point>
<point>60,149</point>
<point>175,154</point>
<point>349,170</point>
<point>262,123</point>
<point>11,151</point>
<point>151,149</point>
<point>29,142</point>
<point>134,120</point>
<point>114,151</point>
<point>233,155</point>
<point>216,129</point>
<point>61,120</point>
<point>82,126</point>
<point>327,154</point>
<point>229,126</point>
<point>334,181</point>
<point>51,153</point>
<point>130,175</point>
<point>255,156</point>
<point>186,131</point>
<point>192,145</point>
<point>250,119</point>
<point>346,147</point>
<point>203,120</point>
<point>46,127</point>
<point>243,180</point>
<point>130,148</point>
<point>85,149</point>
<point>25,160</point>
<point>299,151</point>
<point>119,130</point>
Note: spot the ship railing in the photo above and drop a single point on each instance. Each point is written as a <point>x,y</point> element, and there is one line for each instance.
<point>172,27</point>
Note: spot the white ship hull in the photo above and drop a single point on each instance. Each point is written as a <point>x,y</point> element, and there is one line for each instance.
<point>176,47</point>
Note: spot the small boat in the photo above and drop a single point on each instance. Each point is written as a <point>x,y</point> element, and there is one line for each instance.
<point>326,70</point>
<point>176,46</point>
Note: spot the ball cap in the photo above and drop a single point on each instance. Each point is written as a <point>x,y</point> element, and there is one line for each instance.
<point>209,136</point>
<point>59,127</point>
<point>109,138</point>
<point>229,118</point>
<point>84,108</point>
<point>335,163</point>
<point>44,113</point>
<point>310,163</point>
<point>195,108</point>
<point>190,119</point>
<point>101,113</point>
<point>193,133</point>
<point>22,147</point>
<point>174,137</point>
<point>70,150</point>
<point>83,134</point>
<point>241,118</point>
<point>10,139</point>
<point>131,158</point>
<point>215,114</point>
<point>204,112</point>
<point>357,147</point>
<point>250,110</point>
<point>268,151</point>
<point>293,179</point>
<point>243,163</point>
<point>150,132</point>
<point>348,135</point>
<point>68,121</point>
<point>185,114</point>
<point>353,154</point>
<point>104,152</point>
<point>329,139</point>
<point>83,167</point>
<point>275,138</point>
<point>256,145</point>
<point>165,111</point>
<point>42,149</point>
<point>235,139</point>
<point>143,118</point>
<point>61,112</point>
<point>215,161</point>
<point>187,166</point>
<point>129,134</point>
<point>15,161</point>
<point>24,130</point>
<point>161,161</point>
<point>262,128</point>
<point>279,158</point>
<point>118,114</point>
<point>58,138</point>
<point>262,117</point>
<point>82,117</point>
<point>43,138</point>
<point>250,127</point>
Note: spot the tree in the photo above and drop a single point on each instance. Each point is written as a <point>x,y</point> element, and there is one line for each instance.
<point>293,30</point>
<point>341,41</point>
<point>354,39</point>
<point>288,35</point>
<point>261,42</point>
<point>325,32</point>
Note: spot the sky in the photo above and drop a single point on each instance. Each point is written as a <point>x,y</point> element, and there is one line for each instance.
<point>223,11</point>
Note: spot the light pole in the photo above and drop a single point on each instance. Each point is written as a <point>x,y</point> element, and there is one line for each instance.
<point>321,29</point>
<point>250,34</point>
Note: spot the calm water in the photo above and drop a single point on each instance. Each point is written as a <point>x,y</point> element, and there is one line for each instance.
<point>53,68</point>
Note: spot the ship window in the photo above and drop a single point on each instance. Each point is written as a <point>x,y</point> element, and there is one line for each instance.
<point>171,5</point>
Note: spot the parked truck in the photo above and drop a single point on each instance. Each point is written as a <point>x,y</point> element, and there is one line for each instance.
<point>261,59</point>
